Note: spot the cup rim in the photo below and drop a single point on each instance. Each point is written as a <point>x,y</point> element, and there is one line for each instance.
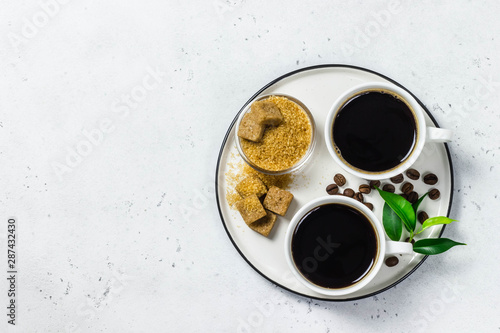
<point>297,166</point>
<point>380,234</point>
<point>419,119</point>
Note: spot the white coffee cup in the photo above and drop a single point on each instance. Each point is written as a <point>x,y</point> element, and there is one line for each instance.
<point>424,133</point>
<point>384,247</point>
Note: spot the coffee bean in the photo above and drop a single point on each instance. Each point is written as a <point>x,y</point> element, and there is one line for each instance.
<point>412,241</point>
<point>407,187</point>
<point>348,192</point>
<point>389,188</point>
<point>397,179</point>
<point>339,179</point>
<point>413,174</point>
<point>374,183</point>
<point>364,188</point>
<point>430,179</point>
<point>391,261</point>
<point>332,189</point>
<point>412,197</point>
<point>369,205</point>
<point>359,196</point>
<point>422,216</point>
<point>404,196</point>
<point>434,194</point>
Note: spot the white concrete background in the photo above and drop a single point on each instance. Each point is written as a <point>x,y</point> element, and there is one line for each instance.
<point>128,237</point>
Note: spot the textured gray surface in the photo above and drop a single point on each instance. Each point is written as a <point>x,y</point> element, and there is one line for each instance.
<point>128,238</point>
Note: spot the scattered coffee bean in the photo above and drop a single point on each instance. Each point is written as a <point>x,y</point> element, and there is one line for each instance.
<point>391,261</point>
<point>412,197</point>
<point>412,241</point>
<point>397,179</point>
<point>407,187</point>
<point>339,179</point>
<point>364,188</point>
<point>369,205</point>
<point>332,189</point>
<point>430,179</point>
<point>404,196</point>
<point>434,194</point>
<point>413,174</point>
<point>348,192</point>
<point>374,183</point>
<point>359,196</point>
<point>389,188</point>
<point>422,216</point>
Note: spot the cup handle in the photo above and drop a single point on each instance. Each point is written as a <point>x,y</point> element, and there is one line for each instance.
<point>398,247</point>
<point>435,134</point>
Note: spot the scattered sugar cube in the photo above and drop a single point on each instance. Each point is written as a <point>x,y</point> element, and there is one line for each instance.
<point>250,209</point>
<point>278,200</point>
<point>264,225</point>
<point>251,185</point>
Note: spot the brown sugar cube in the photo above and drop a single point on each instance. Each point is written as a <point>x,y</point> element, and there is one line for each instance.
<point>265,224</point>
<point>251,185</point>
<point>250,128</point>
<point>278,200</point>
<point>267,113</point>
<point>250,209</point>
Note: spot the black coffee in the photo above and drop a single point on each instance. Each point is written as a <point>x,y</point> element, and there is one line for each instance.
<point>334,246</point>
<point>374,131</point>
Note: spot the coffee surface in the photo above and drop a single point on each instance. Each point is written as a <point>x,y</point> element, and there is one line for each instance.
<point>374,131</point>
<point>334,246</point>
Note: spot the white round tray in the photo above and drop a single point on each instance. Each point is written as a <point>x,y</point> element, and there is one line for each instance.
<point>318,87</point>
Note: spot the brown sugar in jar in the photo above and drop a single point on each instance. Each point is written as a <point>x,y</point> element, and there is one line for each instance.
<point>282,146</point>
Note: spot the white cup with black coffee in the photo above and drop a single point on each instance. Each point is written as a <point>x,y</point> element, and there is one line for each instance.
<point>335,245</point>
<point>378,130</point>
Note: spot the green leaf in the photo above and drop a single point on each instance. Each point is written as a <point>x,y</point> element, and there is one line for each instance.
<point>435,221</point>
<point>392,223</point>
<point>419,201</point>
<point>432,246</point>
<point>402,207</point>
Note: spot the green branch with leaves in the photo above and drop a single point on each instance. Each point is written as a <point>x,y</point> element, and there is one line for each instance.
<point>399,212</point>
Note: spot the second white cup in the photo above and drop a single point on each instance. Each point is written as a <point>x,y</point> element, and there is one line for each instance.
<point>335,239</point>
<point>423,133</point>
